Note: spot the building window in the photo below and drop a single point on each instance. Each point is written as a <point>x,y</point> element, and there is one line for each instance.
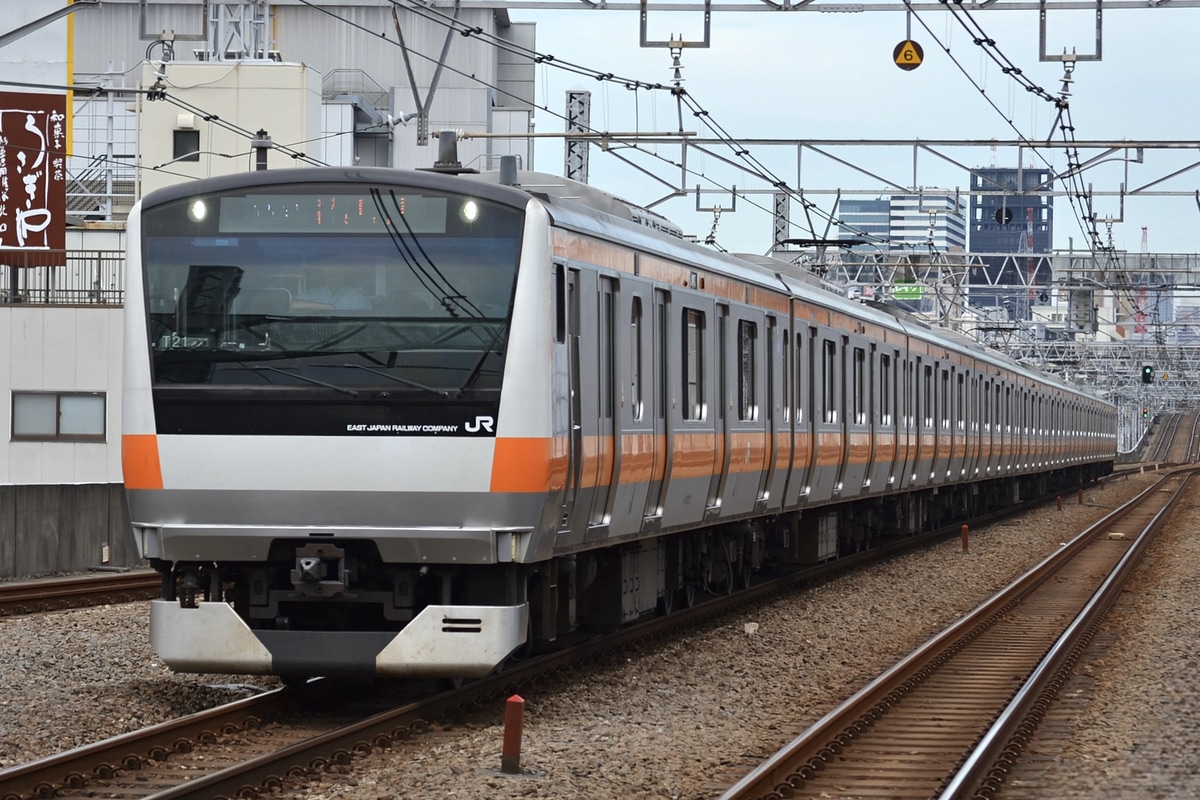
<point>58,416</point>
<point>186,145</point>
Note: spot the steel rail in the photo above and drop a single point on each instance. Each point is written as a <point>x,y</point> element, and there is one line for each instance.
<point>75,591</point>
<point>785,772</point>
<point>985,767</point>
<point>79,769</point>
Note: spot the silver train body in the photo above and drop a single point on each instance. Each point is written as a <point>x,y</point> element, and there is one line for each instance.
<point>406,424</point>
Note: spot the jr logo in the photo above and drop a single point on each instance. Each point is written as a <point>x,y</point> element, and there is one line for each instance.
<point>480,423</point>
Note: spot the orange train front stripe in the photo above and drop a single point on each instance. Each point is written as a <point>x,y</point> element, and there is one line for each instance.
<point>139,459</point>
<point>528,465</point>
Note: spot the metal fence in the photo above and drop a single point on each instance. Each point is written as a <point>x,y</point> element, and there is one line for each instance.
<point>62,277</point>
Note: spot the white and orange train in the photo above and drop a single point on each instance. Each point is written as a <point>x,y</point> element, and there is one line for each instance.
<point>405,423</point>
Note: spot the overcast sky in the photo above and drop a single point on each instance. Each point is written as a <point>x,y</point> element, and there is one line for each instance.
<point>808,75</point>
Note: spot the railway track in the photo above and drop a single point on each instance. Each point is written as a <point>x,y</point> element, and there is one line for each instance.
<point>949,719</point>
<point>271,741</point>
<point>75,591</point>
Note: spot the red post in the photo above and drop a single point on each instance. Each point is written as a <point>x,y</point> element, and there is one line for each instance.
<point>1059,500</point>
<point>1080,497</point>
<point>964,538</point>
<point>514,727</point>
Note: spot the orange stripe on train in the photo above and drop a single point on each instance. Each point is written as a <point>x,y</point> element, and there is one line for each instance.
<point>533,464</point>
<point>139,459</point>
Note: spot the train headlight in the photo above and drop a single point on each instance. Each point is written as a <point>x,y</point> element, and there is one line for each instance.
<point>197,211</point>
<point>469,211</point>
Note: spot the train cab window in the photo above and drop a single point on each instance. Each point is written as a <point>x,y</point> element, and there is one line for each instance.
<point>747,348</point>
<point>859,386</point>
<point>635,358</point>
<point>693,364</point>
<point>306,288</point>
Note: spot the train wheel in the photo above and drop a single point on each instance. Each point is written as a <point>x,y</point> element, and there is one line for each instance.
<point>666,603</point>
<point>745,570</point>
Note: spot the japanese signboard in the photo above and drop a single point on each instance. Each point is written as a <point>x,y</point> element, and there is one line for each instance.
<point>33,171</point>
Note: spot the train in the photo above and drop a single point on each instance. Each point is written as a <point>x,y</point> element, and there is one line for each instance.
<point>389,423</point>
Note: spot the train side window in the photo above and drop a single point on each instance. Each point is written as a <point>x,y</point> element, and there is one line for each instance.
<point>722,364</point>
<point>785,343</point>
<point>885,389</point>
<point>859,378</point>
<point>661,350</point>
<point>927,396</point>
<point>907,394</point>
<point>960,399</point>
<point>944,400</point>
<point>635,357</point>
<point>772,353</point>
<point>747,343</point>
<point>986,403</point>
<point>997,420</point>
<point>606,348</point>
<point>801,381</point>
<point>560,303</point>
<point>693,363</point>
<point>828,376</point>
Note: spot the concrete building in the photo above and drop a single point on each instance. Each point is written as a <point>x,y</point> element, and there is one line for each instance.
<point>1010,226</point>
<point>932,219</point>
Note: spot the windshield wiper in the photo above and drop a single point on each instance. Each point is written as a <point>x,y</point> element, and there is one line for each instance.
<point>405,381</point>
<point>487,351</point>
<point>307,379</point>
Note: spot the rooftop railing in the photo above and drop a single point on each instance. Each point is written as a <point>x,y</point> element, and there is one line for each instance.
<point>62,277</point>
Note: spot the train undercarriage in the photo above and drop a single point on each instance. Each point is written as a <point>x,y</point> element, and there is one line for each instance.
<point>313,603</point>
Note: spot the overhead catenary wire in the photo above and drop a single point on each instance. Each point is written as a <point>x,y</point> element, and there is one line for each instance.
<point>755,168</point>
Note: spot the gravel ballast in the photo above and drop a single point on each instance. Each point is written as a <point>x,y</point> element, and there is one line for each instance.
<point>681,719</point>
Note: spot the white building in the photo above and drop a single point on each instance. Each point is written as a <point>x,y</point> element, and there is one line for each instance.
<point>931,218</point>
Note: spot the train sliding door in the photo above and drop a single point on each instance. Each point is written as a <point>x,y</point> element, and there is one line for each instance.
<point>802,383</point>
<point>591,376</point>
<point>829,419</point>
<point>695,447</point>
<point>885,454</point>
<point>658,407</point>
<point>744,419</point>
<point>770,491</point>
<point>636,441</point>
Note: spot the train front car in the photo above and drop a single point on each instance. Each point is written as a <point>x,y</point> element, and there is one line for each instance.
<point>314,369</point>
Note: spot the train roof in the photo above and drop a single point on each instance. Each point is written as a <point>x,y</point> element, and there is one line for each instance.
<point>585,208</point>
<point>420,179</point>
<point>582,207</point>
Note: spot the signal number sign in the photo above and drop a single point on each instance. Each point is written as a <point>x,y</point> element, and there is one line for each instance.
<point>908,55</point>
